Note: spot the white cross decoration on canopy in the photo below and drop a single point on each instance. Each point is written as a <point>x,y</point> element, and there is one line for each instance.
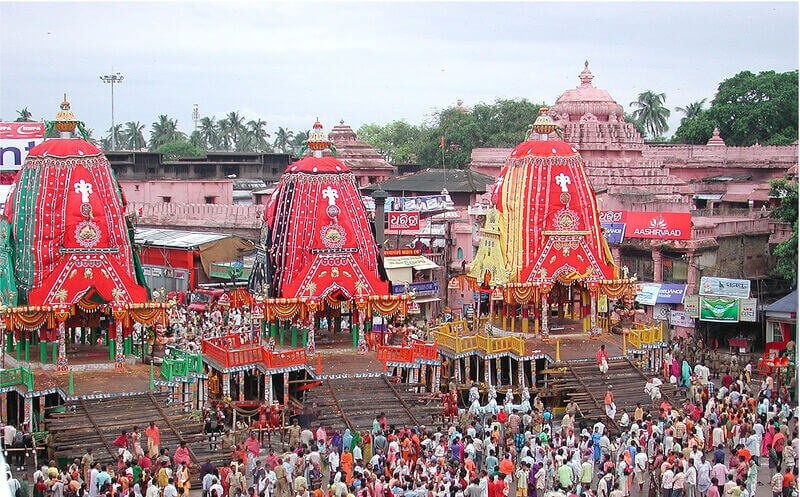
<point>331,194</point>
<point>83,189</point>
<point>563,180</point>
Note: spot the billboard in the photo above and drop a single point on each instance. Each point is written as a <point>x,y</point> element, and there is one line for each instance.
<point>680,318</point>
<point>422,203</point>
<point>725,287</point>
<point>16,140</point>
<point>614,232</point>
<point>659,225</point>
<point>403,220</point>
<point>691,306</point>
<point>719,309</point>
<point>748,310</point>
<point>651,225</point>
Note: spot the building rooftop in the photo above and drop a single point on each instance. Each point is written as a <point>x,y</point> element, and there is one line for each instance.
<point>433,180</point>
<point>175,238</point>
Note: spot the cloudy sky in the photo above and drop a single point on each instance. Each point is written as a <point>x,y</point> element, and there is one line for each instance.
<point>290,62</point>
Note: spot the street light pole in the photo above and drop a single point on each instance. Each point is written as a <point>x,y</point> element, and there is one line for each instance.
<point>112,79</point>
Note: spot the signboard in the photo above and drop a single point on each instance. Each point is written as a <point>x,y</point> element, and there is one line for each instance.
<point>647,293</point>
<point>420,288</point>
<point>403,220</point>
<point>661,312</point>
<point>413,308</point>
<point>613,232</point>
<point>422,203</point>
<point>670,293</point>
<point>724,287</point>
<point>401,252</point>
<point>16,140</point>
<point>680,318</point>
<point>650,225</point>
<point>691,306</point>
<point>719,309</point>
<point>602,303</point>
<point>748,310</point>
<point>659,225</point>
<point>468,310</point>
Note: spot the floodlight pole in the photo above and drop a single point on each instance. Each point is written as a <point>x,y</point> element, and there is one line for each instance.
<point>112,79</point>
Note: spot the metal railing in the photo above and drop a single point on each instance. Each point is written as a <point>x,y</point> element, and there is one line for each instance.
<point>179,364</point>
<point>17,376</point>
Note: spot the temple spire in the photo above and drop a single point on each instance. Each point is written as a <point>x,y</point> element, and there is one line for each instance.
<point>586,75</point>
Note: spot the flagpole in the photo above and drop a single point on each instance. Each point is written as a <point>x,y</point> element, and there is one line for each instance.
<point>444,168</point>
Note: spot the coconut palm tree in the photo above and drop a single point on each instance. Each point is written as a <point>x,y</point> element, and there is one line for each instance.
<point>258,135</point>
<point>116,136</point>
<point>209,133</point>
<point>133,136</point>
<point>283,140</point>
<point>165,130</point>
<point>236,130</point>
<point>298,141</point>
<point>24,115</point>
<point>650,111</point>
<point>692,110</point>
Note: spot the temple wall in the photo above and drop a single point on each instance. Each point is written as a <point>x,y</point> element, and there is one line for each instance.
<point>178,192</point>
<point>246,218</point>
<point>710,153</point>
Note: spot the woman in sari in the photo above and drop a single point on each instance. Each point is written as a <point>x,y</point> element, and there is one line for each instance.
<point>347,440</point>
<point>346,463</point>
<point>366,449</point>
<point>686,375</point>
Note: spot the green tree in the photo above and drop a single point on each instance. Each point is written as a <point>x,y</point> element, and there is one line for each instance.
<point>116,136</point>
<point>786,252</point>
<point>163,131</point>
<point>180,148</point>
<point>651,112</point>
<point>209,133</point>
<point>397,141</point>
<point>750,108</point>
<point>23,115</point>
<point>283,140</point>
<point>692,109</point>
<point>133,136</point>
<point>258,136</point>
<point>298,141</point>
<point>696,130</point>
<point>233,131</point>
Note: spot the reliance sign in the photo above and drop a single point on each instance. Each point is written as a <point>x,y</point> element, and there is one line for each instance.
<point>16,140</point>
<point>652,225</point>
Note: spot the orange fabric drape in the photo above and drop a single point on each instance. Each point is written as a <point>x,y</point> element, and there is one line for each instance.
<point>519,294</point>
<point>149,317</point>
<point>613,290</point>
<point>388,308</point>
<point>282,311</point>
<point>32,320</point>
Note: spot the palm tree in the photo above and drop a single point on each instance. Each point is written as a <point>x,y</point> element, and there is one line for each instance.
<point>116,136</point>
<point>165,130</point>
<point>133,136</point>
<point>650,111</point>
<point>258,135</point>
<point>209,133</point>
<point>692,110</point>
<point>283,139</point>
<point>24,115</point>
<point>298,141</point>
<point>236,130</point>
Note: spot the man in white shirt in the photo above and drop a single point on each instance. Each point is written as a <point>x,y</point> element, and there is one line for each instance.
<point>667,479</point>
<point>691,478</point>
<point>640,462</point>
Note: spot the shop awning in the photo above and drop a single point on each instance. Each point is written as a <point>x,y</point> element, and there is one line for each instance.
<point>417,262</point>
<point>708,196</point>
<point>424,300</point>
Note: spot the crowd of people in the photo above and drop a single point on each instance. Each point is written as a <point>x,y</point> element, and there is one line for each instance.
<point>728,424</point>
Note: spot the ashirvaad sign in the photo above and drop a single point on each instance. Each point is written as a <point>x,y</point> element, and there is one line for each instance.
<point>16,140</point>
<point>403,220</point>
<point>652,225</point>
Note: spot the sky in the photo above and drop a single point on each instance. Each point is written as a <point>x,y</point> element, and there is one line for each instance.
<point>371,62</point>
